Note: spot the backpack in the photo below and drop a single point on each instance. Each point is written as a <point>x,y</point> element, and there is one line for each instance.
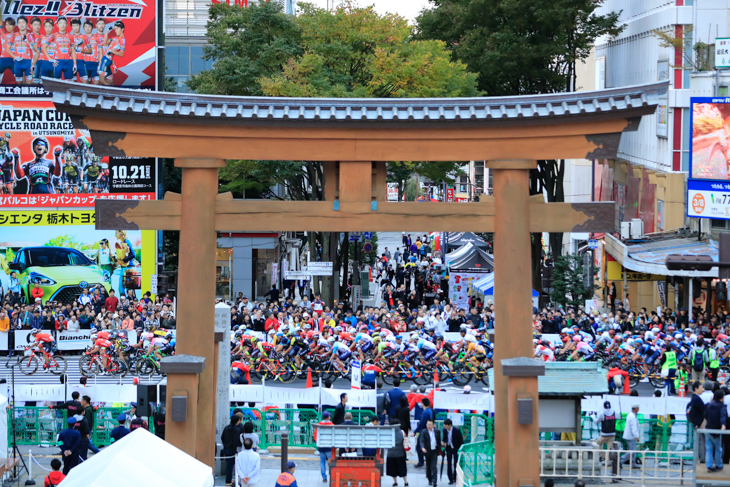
<point>50,482</point>
<point>698,363</point>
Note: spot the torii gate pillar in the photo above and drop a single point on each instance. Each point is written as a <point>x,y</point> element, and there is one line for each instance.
<point>196,309</point>
<point>515,444</point>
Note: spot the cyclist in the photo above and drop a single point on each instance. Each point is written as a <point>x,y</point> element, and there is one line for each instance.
<point>71,175</point>
<point>81,47</point>
<point>93,172</point>
<point>43,342</point>
<point>340,353</point>
<point>44,58</point>
<point>7,162</point>
<point>21,46</point>
<point>583,349</point>
<point>65,53</point>
<point>40,170</point>
<point>95,45</point>
<point>101,345</point>
<point>544,351</point>
<point>114,47</point>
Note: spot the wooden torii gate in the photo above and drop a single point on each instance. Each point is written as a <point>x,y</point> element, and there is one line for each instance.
<point>355,137</point>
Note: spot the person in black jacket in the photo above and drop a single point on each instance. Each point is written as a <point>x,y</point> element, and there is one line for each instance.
<point>696,414</point>
<point>430,444</point>
<point>274,293</point>
<point>231,439</point>
<point>339,416</point>
<point>451,441</point>
<point>715,417</point>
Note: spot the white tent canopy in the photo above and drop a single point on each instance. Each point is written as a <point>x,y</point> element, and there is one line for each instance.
<point>140,459</point>
<point>463,250</point>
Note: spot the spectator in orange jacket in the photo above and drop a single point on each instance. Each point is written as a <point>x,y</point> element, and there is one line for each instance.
<point>36,292</point>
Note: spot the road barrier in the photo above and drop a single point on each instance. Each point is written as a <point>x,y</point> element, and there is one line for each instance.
<point>40,426</point>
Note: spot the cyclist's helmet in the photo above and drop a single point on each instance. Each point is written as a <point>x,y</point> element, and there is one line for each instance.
<point>307,327</point>
<point>34,332</point>
<point>94,337</point>
<point>169,336</point>
<point>383,334</point>
<point>67,138</point>
<point>576,338</point>
<point>238,334</point>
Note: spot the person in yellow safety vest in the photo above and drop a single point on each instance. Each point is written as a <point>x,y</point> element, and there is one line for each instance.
<point>714,362</point>
<point>682,374</point>
<point>669,366</point>
<point>286,479</point>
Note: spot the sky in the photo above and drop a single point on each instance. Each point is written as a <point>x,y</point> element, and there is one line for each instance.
<point>406,8</point>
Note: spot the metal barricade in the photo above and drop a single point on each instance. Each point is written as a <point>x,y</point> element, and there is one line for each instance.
<point>476,463</point>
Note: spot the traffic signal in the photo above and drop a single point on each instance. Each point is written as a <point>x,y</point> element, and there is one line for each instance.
<point>679,262</point>
<point>721,291</point>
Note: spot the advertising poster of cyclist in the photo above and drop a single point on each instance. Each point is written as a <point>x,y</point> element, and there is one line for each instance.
<point>101,42</point>
<point>45,162</point>
<point>60,256</point>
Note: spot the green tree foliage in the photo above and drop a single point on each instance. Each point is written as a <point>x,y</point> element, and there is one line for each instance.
<point>568,287</point>
<point>518,46</point>
<point>246,44</point>
<point>365,258</point>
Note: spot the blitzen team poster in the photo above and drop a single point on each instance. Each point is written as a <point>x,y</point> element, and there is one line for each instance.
<point>102,42</point>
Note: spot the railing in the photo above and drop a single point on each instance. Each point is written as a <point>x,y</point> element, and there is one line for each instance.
<point>270,424</point>
<point>669,435</point>
<point>476,427</point>
<point>660,467</point>
<point>476,463</point>
<point>41,426</point>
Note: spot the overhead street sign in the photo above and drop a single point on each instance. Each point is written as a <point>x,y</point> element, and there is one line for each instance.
<point>367,235</point>
<point>355,236</point>
<point>294,275</point>
<point>320,268</point>
<point>593,244</point>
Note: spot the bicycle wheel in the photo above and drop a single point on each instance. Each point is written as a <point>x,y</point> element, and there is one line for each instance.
<point>118,368</point>
<point>289,374</point>
<point>57,365</point>
<point>146,368</point>
<point>388,377</point>
<point>462,376</point>
<point>88,366</point>
<point>656,380</point>
<point>28,364</point>
<point>723,375</point>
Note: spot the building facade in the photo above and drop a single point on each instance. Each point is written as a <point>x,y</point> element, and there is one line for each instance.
<point>647,181</point>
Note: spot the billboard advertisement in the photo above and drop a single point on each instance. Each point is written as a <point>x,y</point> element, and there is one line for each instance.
<point>63,254</point>
<point>45,162</point>
<point>107,42</point>
<point>708,188</point>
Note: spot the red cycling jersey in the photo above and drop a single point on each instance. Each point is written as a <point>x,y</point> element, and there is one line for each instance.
<point>44,338</point>
<point>80,43</point>
<point>101,343</point>
<point>6,40</point>
<point>96,42</point>
<point>104,335</point>
<point>50,47</point>
<point>22,45</point>
<point>116,44</point>
<point>64,43</point>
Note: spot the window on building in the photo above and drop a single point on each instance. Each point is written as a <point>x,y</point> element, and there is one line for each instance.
<point>183,62</point>
<point>600,81</point>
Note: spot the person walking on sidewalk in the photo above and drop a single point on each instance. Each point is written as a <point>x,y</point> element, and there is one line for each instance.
<point>231,440</point>
<point>715,418</point>
<point>631,435</point>
<point>286,479</point>
<point>696,415</point>
<point>324,453</point>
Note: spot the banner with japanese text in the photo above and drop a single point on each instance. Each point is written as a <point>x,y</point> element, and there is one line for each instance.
<point>59,255</point>
<point>48,163</point>
<point>106,42</point>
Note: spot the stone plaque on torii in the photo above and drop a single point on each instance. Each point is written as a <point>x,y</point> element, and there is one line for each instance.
<point>355,137</point>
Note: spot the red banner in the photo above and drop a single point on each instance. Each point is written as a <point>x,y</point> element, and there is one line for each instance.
<point>108,42</point>
<point>449,195</point>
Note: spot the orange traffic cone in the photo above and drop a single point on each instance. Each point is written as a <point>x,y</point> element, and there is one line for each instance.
<point>436,376</point>
<point>309,378</point>
<point>680,392</point>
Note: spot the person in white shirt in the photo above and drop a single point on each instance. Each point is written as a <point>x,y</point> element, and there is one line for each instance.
<point>85,299</point>
<point>631,435</point>
<point>248,466</point>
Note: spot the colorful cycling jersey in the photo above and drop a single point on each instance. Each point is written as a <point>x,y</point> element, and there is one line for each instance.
<point>102,343</point>
<point>159,342</point>
<point>584,347</point>
<point>50,48</point>
<point>6,39</point>
<point>104,335</point>
<point>38,172</point>
<point>22,45</point>
<point>383,345</point>
<point>647,349</point>
<point>96,43</point>
<point>340,347</point>
<point>92,172</point>
<point>116,44</point>
<point>7,166</point>
<point>425,344</point>
<point>80,43</point>
<point>44,338</point>
<point>544,352</point>
<point>64,44</point>
<point>71,170</point>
